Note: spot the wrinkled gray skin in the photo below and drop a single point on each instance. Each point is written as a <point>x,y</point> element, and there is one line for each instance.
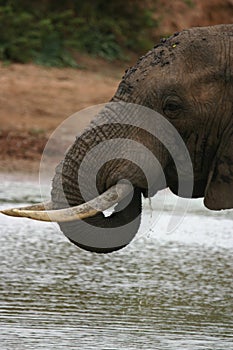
<point>188,78</point>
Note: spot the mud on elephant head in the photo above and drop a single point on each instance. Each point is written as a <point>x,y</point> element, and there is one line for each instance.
<point>186,79</point>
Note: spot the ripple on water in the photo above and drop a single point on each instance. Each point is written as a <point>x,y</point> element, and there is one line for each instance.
<point>164,291</point>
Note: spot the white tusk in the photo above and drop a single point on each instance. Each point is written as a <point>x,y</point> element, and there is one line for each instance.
<point>38,207</point>
<point>99,204</point>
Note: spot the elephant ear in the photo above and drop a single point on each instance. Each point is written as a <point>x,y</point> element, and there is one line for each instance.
<point>219,190</point>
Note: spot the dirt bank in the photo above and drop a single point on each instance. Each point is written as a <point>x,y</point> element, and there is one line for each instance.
<point>182,14</point>
<point>35,100</point>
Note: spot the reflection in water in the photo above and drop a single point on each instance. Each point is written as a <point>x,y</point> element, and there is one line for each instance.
<point>161,292</point>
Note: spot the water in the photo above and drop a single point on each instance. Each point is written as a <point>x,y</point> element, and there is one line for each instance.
<point>164,291</point>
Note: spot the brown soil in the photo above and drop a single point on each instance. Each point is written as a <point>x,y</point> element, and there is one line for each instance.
<point>35,100</point>
<point>177,15</point>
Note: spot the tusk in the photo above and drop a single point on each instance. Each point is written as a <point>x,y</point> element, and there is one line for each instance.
<point>38,207</point>
<point>104,201</point>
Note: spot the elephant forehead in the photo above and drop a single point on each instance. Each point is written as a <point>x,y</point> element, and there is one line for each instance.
<point>193,49</point>
<point>198,53</point>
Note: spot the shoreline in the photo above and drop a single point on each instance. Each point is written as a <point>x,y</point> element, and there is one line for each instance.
<point>18,170</point>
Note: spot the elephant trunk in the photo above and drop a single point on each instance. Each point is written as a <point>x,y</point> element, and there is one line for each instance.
<point>83,174</point>
<point>102,234</point>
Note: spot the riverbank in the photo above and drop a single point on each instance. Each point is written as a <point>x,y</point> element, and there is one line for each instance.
<point>34,100</point>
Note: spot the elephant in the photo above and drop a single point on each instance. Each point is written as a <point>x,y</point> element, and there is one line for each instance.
<point>188,80</point>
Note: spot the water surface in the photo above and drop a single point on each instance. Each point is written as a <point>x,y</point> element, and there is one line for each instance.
<point>164,291</point>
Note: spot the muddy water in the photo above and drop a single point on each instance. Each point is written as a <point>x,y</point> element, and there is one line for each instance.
<point>164,291</point>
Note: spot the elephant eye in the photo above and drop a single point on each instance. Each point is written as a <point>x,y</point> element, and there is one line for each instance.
<point>172,108</point>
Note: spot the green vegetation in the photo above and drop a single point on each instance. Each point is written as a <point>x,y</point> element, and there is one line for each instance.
<point>189,3</point>
<point>49,32</point>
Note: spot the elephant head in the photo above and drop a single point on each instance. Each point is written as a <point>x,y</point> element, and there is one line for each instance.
<point>188,79</point>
